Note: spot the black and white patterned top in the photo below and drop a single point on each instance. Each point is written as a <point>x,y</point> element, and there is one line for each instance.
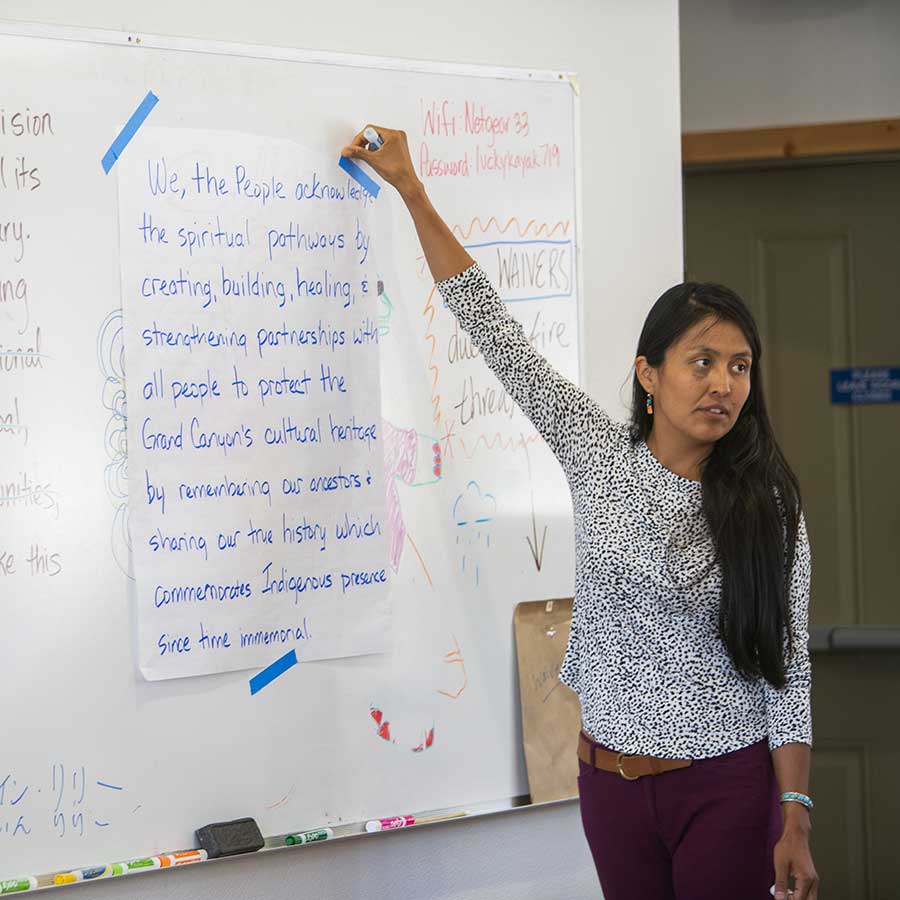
<point>644,655</point>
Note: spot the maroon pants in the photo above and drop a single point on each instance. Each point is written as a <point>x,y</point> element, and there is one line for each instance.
<point>699,833</point>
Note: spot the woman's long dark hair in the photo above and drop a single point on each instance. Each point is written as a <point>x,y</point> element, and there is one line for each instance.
<point>751,496</point>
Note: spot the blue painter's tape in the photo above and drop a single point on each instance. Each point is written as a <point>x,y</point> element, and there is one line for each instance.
<point>357,174</point>
<point>270,673</point>
<point>127,133</point>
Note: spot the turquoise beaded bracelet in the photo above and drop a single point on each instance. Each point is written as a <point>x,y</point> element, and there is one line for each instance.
<point>794,797</point>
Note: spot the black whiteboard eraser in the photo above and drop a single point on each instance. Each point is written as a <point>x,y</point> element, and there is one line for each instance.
<point>230,838</point>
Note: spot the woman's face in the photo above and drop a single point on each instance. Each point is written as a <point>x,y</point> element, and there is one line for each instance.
<point>703,382</point>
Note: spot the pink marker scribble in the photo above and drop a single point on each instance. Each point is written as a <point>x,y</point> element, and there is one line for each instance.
<point>400,451</point>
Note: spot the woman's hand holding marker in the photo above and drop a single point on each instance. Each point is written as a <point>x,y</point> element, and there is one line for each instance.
<point>391,160</point>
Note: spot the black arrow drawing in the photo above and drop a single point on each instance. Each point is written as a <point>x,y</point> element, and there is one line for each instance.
<point>537,552</point>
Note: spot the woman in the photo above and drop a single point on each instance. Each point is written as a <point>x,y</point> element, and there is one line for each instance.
<point>688,642</point>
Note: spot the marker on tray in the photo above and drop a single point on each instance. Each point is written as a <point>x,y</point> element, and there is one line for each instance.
<point>88,874</point>
<point>140,865</point>
<point>18,885</point>
<point>182,858</point>
<point>405,821</point>
<point>309,837</point>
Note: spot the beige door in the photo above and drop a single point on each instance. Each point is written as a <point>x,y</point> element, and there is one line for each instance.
<point>815,250</point>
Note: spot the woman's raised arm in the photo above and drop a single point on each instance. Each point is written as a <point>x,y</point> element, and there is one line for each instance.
<point>445,255</point>
<point>560,411</point>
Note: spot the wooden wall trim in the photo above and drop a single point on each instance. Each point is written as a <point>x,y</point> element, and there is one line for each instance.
<point>791,142</point>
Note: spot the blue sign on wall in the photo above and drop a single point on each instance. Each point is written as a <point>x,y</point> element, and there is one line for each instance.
<point>865,385</point>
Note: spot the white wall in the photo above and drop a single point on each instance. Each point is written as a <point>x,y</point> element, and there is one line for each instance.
<point>626,55</point>
<point>756,63</point>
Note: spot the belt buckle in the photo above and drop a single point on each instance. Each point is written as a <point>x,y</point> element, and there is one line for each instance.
<point>619,758</point>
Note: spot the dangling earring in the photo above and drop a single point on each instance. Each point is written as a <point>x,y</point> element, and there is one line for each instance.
<point>649,404</point>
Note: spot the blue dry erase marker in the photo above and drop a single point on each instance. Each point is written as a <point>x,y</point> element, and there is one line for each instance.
<point>373,137</point>
<point>87,874</point>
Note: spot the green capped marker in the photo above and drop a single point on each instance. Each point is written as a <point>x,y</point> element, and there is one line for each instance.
<point>309,837</point>
<point>17,885</point>
<point>136,865</point>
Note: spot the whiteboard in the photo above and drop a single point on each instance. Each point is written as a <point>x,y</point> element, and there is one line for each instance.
<point>99,763</point>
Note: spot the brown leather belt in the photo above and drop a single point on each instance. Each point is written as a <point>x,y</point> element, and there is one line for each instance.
<point>629,767</point>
